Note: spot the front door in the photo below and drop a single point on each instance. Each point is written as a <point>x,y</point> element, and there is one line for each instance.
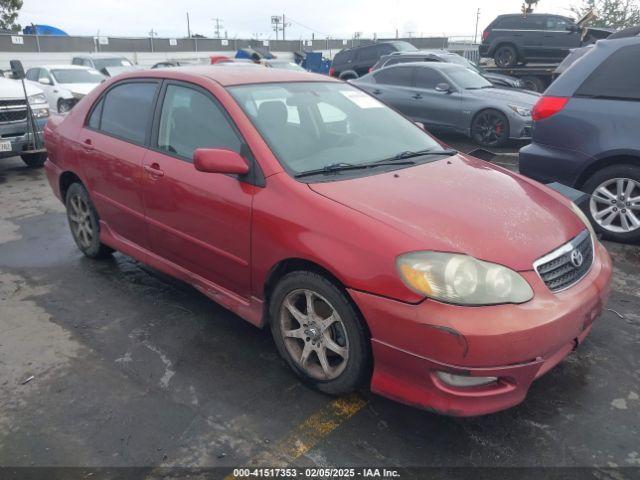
<point>436,110</point>
<point>196,220</point>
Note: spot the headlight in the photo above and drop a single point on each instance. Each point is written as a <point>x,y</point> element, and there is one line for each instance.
<point>580,214</point>
<point>37,99</point>
<point>522,111</point>
<point>461,279</point>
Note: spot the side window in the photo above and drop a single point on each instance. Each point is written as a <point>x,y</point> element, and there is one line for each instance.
<point>76,61</point>
<point>400,76</point>
<point>127,110</point>
<point>556,24</point>
<point>86,62</point>
<point>33,74</point>
<point>189,120</point>
<point>94,119</point>
<point>385,49</point>
<point>511,23</point>
<point>367,53</point>
<point>427,78</point>
<point>616,78</point>
<point>342,57</point>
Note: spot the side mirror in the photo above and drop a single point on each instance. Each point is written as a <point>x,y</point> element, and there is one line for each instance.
<point>17,69</point>
<point>45,81</point>
<point>443,87</point>
<point>573,28</point>
<point>219,160</point>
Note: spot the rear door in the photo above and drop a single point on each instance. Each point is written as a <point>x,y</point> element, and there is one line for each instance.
<point>393,86</point>
<point>198,221</point>
<point>112,145</point>
<point>533,34</point>
<point>365,58</point>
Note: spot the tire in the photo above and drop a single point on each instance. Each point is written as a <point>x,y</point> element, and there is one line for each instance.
<point>619,221</point>
<point>347,333</point>
<point>34,160</point>
<point>62,106</point>
<point>348,76</point>
<point>84,223</point>
<point>505,56</point>
<point>490,128</point>
<point>533,83</point>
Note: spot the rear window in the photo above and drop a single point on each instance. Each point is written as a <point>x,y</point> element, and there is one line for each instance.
<point>400,76</point>
<point>616,78</point>
<point>368,53</point>
<point>342,57</point>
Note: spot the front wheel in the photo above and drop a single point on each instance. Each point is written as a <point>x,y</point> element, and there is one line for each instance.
<point>34,160</point>
<point>319,333</point>
<point>614,207</point>
<point>63,106</point>
<point>490,128</point>
<point>84,223</point>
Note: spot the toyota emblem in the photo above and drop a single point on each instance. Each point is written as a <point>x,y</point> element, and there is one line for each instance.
<point>577,258</point>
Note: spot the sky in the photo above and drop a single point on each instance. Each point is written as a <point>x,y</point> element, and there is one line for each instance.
<point>251,18</point>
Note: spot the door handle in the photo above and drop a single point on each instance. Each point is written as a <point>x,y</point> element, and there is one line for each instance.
<point>417,96</point>
<point>377,92</point>
<point>87,144</point>
<point>154,170</point>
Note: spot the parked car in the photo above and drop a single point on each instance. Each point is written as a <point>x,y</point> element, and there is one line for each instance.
<point>450,98</point>
<point>586,135</point>
<point>16,134</point>
<point>447,57</point>
<point>284,64</point>
<point>175,63</point>
<point>355,62</point>
<point>255,186</point>
<point>537,37</point>
<point>64,85</point>
<point>107,64</point>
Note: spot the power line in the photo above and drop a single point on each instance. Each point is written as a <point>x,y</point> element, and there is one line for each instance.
<point>307,27</point>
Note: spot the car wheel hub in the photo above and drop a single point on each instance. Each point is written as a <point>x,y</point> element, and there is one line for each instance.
<point>80,220</point>
<point>314,334</point>
<point>615,205</point>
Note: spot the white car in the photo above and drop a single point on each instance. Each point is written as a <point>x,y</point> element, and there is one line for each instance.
<point>64,85</point>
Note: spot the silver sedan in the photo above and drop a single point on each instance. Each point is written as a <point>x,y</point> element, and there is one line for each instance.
<point>451,98</point>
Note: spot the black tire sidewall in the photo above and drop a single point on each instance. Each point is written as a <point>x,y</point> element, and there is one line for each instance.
<point>97,249</point>
<point>497,55</point>
<point>505,138</point>
<point>357,371</point>
<point>613,171</point>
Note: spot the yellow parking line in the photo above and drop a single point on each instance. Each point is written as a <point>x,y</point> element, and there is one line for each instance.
<point>308,434</point>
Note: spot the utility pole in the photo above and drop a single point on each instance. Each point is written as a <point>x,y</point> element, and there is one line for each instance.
<point>188,26</point>
<point>152,33</point>
<point>475,37</point>
<point>284,27</point>
<point>277,21</point>
<point>218,26</point>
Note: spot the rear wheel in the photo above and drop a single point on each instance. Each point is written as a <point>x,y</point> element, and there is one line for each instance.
<point>319,333</point>
<point>533,83</point>
<point>34,160</point>
<point>505,56</point>
<point>614,208</point>
<point>490,128</point>
<point>85,223</point>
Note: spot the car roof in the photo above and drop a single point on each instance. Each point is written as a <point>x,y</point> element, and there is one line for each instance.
<point>100,55</point>
<point>436,65</point>
<point>233,75</point>
<point>65,67</point>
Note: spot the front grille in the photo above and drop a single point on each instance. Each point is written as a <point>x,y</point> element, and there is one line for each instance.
<point>560,269</point>
<point>13,111</point>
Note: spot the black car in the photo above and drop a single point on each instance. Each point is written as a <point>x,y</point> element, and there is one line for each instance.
<point>585,135</point>
<point>354,62</point>
<point>447,57</point>
<point>537,37</point>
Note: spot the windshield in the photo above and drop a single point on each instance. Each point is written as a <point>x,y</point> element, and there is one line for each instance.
<point>77,75</point>
<point>101,63</point>
<point>312,125</point>
<point>468,79</point>
<point>457,59</point>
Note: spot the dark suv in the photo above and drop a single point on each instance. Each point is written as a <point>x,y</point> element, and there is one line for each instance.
<point>541,37</point>
<point>355,62</point>
<point>585,135</point>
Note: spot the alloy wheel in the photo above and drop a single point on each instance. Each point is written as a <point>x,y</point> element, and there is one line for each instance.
<point>489,129</point>
<point>314,335</point>
<point>615,205</point>
<point>80,220</point>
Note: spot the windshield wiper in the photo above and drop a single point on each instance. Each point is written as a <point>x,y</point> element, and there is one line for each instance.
<point>341,167</point>
<point>418,153</point>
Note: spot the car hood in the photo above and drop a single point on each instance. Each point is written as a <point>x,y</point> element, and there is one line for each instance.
<point>12,89</point>
<point>525,98</point>
<point>80,89</point>
<point>505,78</point>
<point>464,205</point>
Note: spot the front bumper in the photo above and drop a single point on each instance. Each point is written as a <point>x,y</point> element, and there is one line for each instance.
<point>21,138</point>
<point>516,343</point>
<point>520,128</point>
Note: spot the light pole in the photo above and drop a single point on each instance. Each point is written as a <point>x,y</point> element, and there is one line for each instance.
<point>475,36</point>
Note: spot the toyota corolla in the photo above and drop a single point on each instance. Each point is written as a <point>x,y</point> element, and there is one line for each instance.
<point>376,255</point>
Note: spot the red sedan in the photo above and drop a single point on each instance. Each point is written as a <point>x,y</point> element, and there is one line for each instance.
<point>376,255</point>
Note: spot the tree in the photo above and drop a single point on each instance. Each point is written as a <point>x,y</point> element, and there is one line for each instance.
<point>611,13</point>
<point>9,13</point>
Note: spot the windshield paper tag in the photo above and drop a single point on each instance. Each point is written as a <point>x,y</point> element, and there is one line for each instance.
<point>361,99</point>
